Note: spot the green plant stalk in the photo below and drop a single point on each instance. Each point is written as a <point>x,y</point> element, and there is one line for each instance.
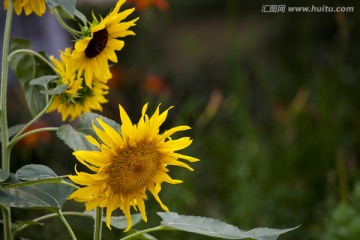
<point>5,161</point>
<point>51,215</point>
<point>18,138</point>
<point>158,228</point>
<point>63,219</point>
<point>98,223</point>
<point>4,80</point>
<point>65,26</point>
<point>31,52</point>
<point>18,135</point>
<point>6,222</point>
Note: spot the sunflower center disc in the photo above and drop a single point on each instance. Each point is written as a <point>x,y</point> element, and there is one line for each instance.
<point>133,168</point>
<point>97,43</point>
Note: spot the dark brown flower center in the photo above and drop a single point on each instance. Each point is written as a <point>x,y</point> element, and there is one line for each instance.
<point>133,168</point>
<point>97,43</point>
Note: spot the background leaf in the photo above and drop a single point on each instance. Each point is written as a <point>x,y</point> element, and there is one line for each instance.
<point>34,172</point>
<point>216,228</point>
<point>26,68</point>
<point>87,119</point>
<point>66,8</point>
<point>73,138</point>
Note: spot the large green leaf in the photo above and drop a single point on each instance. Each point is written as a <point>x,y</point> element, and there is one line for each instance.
<point>43,195</point>
<point>73,138</point>
<point>26,68</point>
<point>46,195</point>
<point>85,124</point>
<point>65,7</point>
<point>34,172</point>
<point>216,228</point>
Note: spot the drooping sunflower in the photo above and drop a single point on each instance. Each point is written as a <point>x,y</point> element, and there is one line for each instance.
<point>129,162</point>
<point>29,6</point>
<point>78,97</point>
<point>92,52</point>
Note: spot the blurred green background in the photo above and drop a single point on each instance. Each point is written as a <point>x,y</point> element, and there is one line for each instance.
<point>273,102</point>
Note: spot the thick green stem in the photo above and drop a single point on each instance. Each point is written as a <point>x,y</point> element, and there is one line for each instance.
<point>5,161</point>
<point>135,235</point>
<point>98,223</point>
<point>4,80</point>
<point>6,222</point>
<point>65,26</point>
<point>63,219</point>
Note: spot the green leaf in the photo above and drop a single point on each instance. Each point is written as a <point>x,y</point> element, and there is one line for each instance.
<point>216,228</point>
<point>21,64</point>
<point>26,68</point>
<point>73,138</point>
<point>85,124</point>
<point>43,81</point>
<point>34,172</point>
<point>45,195</point>
<point>66,8</point>
<point>57,90</point>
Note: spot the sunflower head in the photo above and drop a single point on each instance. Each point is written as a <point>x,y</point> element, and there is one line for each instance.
<point>78,97</point>
<point>99,43</point>
<point>129,162</point>
<point>29,6</point>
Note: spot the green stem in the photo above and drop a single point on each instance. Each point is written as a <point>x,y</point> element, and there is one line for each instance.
<point>65,26</point>
<point>98,223</point>
<point>6,222</point>
<point>63,219</point>
<point>4,80</point>
<point>17,135</point>
<point>18,138</point>
<point>45,180</point>
<point>158,228</point>
<point>51,215</point>
<point>5,154</point>
<point>31,52</point>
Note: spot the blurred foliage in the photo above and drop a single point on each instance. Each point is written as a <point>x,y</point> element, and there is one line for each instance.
<point>273,101</point>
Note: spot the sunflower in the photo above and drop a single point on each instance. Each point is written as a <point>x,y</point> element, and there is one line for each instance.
<point>128,163</point>
<point>93,51</point>
<point>29,6</point>
<point>77,98</point>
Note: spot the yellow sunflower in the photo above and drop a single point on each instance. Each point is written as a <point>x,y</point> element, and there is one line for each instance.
<point>92,52</point>
<point>77,98</point>
<point>128,163</point>
<point>29,6</point>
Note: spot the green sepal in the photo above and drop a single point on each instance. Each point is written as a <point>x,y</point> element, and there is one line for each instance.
<point>216,228</point>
